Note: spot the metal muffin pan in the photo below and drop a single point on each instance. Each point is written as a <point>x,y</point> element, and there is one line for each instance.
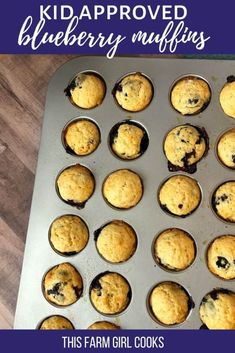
<point>147,217</point>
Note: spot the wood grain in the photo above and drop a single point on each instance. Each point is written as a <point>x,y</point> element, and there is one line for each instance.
<point>23,85</point>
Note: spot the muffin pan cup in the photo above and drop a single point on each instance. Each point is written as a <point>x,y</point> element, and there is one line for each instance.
<point>147,217</point>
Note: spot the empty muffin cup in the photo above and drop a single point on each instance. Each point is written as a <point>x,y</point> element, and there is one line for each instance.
<point>133,92</point>
<point>190,95</point>
<point>86,90</point>
<point>62,285</point>
<point>110,293</point>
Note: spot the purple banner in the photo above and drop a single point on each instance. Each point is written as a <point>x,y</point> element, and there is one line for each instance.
<point>117,27</point>
<point>165,341</point>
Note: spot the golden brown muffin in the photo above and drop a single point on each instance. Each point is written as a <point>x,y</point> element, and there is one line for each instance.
<point>217,310</point>
<point>81,137</point>
<point>62,285</point>
<point>174,249</point>
<point>123,188</point>
<point>169,303</point>
<point>180,195</point>
<point>68,234</point>
<point>190,95</point>
<point>76,184</point>
<point>103,325</point>
<point>184,146</point>
<point>87,90</point>
<point>116,241</point>
<point>221,257</point>
<point>226,148</point>
<point>110,293</point>
<point>227,97</point>
<point>223,201</point>
<point>134,92</point>
<point>128,140</point>
<point>56,322</point>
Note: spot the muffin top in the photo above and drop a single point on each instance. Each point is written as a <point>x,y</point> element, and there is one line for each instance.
<point>103,325</point>
<point>217,310</point>
<point>82,137</point>
<point>134,92</point>
<point>68,234</point>
<point>221,257</point>
<point>76,184</point>
<point>169,303</point>
<point>226,148</point>
<point>127,141</point>
<point>116,241</point>
<point>180,195</point>
<point>62,285</point>
<point>86,90</point>
<point>190,95</point>
<point>227,98</point>
<point>56,322</point>
<point>184,146</point>
<point>110,293</point>
<point>174,249</point>
<point>224,201</point>
<point>123,188</point>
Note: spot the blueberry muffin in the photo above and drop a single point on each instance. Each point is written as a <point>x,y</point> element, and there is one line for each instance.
<point>227,97</point>
<point>221,257</point>
<point>87,90</point>
<point>134,92</point>
<point>190,95</point>
<point>75,185</point>
<point>180,195</point>
<point>123,189</point>
<point>128,140</point>
<point>184,146</point>
<point>170,303</point>
<point>81,137</point>
<point>68,234</point>
<point>217,310</point>
<point>110,293</point>
<point>62,285</point>
<point>103,325</point>
<point>226,148</point>
<point>56,322</point>
<point>174,249</point>
<point>223,201</point>
<point>116,241</point>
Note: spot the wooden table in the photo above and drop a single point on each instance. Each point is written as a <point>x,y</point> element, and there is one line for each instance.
<point>23,86</point>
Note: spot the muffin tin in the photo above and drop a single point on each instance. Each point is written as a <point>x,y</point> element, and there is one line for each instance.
<point>147,217</point>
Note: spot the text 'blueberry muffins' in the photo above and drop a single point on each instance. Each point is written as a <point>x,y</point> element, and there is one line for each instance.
<point>62,285</point>
<point>180,195</point>
<point>223,201</point>
<point>116,241</point>
<point>221,257</point>
<point>76,185</point>
<point>68,234</point>
<point>87,90</point>
<point>184,146</point>
<point>56,322</point>
<point>190,95</point>
<point>103,325</point>
<point>217,310</point>
<point>226,148</point>
<point>81,137</point>
<point>123,189</point>
<point>134,92</point>
<point>128,140</point>
<point>227,97</point>
<point>110,293</point>
<point>170,303</point>
<point>174,249</point>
